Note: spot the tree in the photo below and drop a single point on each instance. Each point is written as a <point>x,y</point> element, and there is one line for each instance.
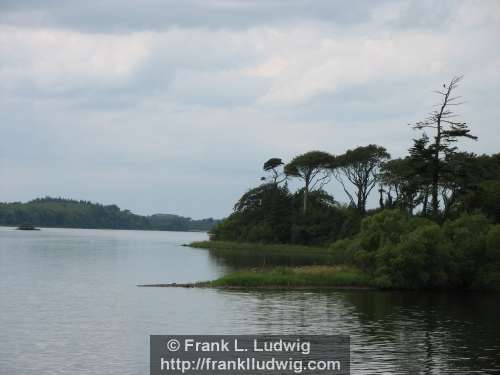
<point>260,197</point>
<point>314,168</point>
<point>262,214</point>
<point>446,132</point>
<point>398,176</point>
<point>360,167</point>
<point>418,173</point>
<point>483,187</point>
<point>461,174</point>
<point>271,167</point>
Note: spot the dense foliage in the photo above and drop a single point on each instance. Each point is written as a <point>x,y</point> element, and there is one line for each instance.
<point>400,251</point>
<point>67,213</point>
<point>272,214</point>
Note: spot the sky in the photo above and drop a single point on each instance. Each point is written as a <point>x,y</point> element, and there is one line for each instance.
<point>164,106</point>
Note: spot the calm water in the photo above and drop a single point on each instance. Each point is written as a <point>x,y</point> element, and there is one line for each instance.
<point>69,304</point>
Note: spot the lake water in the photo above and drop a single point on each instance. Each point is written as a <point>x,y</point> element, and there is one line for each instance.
<point>69,304</point>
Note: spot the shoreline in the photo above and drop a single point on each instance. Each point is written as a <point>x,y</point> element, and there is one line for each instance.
<point>329,275</point>
<point>260,248</point>
<point>40,227</point>
<point>303,277</point>
<point>286,287</point>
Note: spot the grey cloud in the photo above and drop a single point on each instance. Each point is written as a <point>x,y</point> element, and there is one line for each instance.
<point>160,108</point>
<point>148,15</point>
<point>130,15</point>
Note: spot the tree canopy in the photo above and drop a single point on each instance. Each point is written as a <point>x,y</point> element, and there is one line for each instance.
<point>272,167</point>
<point>314,168</point>
<point>360,167</point>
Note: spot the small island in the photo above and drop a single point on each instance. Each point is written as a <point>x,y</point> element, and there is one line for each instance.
<point>27,226</point>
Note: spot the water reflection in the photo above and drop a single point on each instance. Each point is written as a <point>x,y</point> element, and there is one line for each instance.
<point>392,332</point>
<point>435,331</point>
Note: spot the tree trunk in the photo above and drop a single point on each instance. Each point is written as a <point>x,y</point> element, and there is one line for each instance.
<point>425,202</point>
<point>389,198</point>
<point>435,174</point>
<point>411,199</point>
<point>306,193</point>
<point>436,165</point>
<point>435,188</point>
<point>361,203</point>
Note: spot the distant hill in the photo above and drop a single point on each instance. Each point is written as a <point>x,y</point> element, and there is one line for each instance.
<point>69,213</point>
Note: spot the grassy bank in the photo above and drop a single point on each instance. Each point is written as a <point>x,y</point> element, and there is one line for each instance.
<point>284,276</point>
<point>290,277</point>
<point>264,248</point>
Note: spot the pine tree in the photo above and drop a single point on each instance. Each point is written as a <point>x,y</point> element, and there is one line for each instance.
<point>447,131</point>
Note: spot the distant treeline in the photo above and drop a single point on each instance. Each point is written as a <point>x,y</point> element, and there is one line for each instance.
<point>68,213</point>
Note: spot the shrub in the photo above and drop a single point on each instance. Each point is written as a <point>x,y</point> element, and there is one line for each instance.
<point>419,261</point>
<point>344,251</point>
<point>382,228</point>
<point>493,245</point>
<point>411,252</point>
<point>489,274</point>
<point>467,235</point>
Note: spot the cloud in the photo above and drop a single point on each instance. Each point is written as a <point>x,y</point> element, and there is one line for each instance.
<point>321,65</point>
<point>173,106</point>
<point>55,61</point>
<point>129,16</point>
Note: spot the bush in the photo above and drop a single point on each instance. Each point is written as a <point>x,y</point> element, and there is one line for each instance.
<point>344,251</point>
<point>382,228</point>
<point>493,245</point>
<point>489,274</point>
<point>419,261</point>
<point>262,232</point>
<point>403,252</point>
<point>467,235</point>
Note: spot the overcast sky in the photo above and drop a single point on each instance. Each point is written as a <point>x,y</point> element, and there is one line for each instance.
<point>173,106</point>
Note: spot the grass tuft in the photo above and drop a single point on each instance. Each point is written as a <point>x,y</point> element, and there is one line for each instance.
<point>307,276</point>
